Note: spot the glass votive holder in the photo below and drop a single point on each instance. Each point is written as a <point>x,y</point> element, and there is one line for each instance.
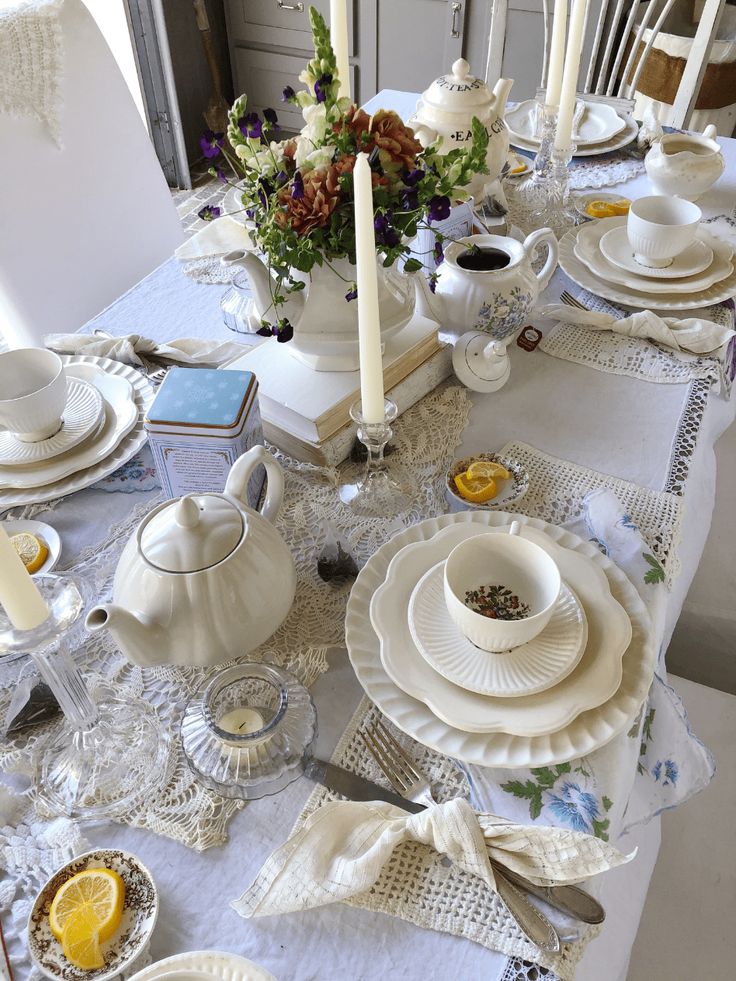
<point>248,733</point>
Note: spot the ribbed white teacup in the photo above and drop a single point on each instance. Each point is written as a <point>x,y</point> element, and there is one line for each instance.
<point>660,228</point>
<point>32,393</point>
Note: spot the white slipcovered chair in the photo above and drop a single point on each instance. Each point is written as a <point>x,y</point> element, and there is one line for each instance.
<point>84,218</point>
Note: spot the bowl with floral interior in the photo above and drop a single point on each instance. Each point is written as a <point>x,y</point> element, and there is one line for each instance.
<point>94,918</point>
<point>485,481</point>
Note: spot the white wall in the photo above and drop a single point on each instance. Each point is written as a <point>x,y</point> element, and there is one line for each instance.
<point>111,19</point>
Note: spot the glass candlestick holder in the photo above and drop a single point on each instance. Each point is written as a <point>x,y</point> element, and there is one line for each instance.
<point>382,490</point>
<point>248,733</point>
<point>556,210</point>
<point>531,192</point>
<point>107,755</point>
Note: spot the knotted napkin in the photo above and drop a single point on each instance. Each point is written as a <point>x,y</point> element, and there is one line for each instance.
<point>142,352</point>
<point>692,334</point>
<point>342,847</point>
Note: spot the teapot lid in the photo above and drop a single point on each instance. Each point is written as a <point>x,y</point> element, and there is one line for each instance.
<point>192,533</point>
<point>458,91</point>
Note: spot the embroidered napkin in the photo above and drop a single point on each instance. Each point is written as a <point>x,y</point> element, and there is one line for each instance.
<point>693,334</point>
<point>142,352</point>
<point>341,849</point>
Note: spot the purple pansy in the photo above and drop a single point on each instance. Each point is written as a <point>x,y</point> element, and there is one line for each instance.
<point>439,253</point>
<point>288,95</point>
<point>265,330</point>
<point>409,199</point>
<point>251,126</point>
<point>386,234</point>
<point>352,294</point>
<point>210,143</point>
<point>283,331</point>
<point>439,207</point>
<point>412,177</point>
<point>265,190</point>
<point>575,807</point>
<point>270,116</point>
<point>432,279</point>
<point>209,212</point>
<point>322,83</point>
<point>297,186</point>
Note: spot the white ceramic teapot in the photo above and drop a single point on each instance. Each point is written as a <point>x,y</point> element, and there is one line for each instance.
<point>446,109</point>
<point>204,578</point>
<point>685,165</point>
<point>487,283</point>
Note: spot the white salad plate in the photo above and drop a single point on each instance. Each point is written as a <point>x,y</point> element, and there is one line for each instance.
<point>48,535</point>
<point>525,670</point>
<point>202,965</point>
<point>595,678</point>
<point>580,272</point>
<point>94,370</point>
<point>588,250</point>
<point>622,139</point>
<point>696,258</point>
<point>82,413</point>
<point>589,731</point>
<point>599,123</point>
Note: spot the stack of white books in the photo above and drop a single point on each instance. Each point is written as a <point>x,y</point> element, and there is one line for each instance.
<point>306,413</point>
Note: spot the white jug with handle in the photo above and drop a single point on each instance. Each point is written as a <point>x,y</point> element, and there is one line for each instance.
<point>685,165</point>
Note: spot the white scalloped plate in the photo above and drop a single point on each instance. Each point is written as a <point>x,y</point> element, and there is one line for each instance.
<point>594,150</point>
<point>595,678</point>
<point>525,670</point>
<point>204,964</point>
<point>599,124</point>
<point>589,731</point>
<point>143,393</point>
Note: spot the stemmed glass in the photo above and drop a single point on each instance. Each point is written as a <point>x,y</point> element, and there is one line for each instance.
<point>107,755</point>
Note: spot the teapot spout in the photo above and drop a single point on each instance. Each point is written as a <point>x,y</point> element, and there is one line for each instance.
<point>134,635</point>
<point>257,275</point>
<point>501,91</point>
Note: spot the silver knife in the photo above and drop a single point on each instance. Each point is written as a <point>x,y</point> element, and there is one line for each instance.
<point>567,899</point>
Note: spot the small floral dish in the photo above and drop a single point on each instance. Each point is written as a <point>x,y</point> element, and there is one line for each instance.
<point>127,950</point>
<point>582,203</point>
<point>509,491</point>
<point>48,535</point>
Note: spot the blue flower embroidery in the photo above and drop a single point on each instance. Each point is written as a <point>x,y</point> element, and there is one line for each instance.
<point>626,522</point>
<point>575,807</point>
<point>671,772</point>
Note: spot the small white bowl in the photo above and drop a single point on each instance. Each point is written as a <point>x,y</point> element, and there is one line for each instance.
<point>127,948</point>
<point>510,561</point>
<point>660,228</point>
<point>48,535</point>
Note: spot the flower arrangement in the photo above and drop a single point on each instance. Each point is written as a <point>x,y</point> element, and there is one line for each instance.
<point>298,193</point>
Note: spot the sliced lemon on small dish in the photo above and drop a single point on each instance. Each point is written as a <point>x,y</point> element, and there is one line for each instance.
<point>98,892</point>
<point>487,468</point>
<point>477,490</point>
<point>31,549</point>
<point>600,209</point>
<point>80,940</point>
<point>621,207</point>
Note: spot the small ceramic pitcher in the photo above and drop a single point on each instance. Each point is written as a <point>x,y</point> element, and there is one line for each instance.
<point>496,300</point>
<point>685,165</point>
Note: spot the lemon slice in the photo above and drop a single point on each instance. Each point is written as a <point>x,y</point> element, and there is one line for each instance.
<point>487,468</point>
<point>477,490</point>
<point>80,940</point>
<point>98,892</point>
<point>621,207</point>
<point>600,209</point>
<point>32,551</point>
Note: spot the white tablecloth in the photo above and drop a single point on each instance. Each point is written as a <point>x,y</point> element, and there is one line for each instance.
<point>608,422</point>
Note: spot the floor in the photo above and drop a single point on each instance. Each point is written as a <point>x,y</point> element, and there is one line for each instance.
<point>687,931</point>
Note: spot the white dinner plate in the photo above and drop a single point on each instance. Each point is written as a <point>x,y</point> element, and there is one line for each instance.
<point>525,670</point>
<point>622,139</point>
<point>82,413</point>
<point>580,273</point>
<point>203,964</point>
<point>600,123</point>
<point>589,731</point>
<point>48,535</point>
<point>594,679</point>
<point>615,246</point>
<point>143,393</point>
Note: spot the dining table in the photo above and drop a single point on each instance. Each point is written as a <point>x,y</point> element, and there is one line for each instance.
<point>657,433</point>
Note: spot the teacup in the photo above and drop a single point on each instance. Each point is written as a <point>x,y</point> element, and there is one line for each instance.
<point>506,573</point>
<point>32,393</point>
<point>660,228</point>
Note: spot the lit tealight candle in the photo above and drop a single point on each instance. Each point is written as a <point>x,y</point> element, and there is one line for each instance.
<point>19,595</point>
<point>241,721</point>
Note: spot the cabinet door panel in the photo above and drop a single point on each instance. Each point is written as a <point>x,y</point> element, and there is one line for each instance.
<point>265,22</point>
<point>416,41</point>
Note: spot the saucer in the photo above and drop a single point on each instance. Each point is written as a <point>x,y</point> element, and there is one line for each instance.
<point>48,535</point>
<point>508,490</point>
<point>81,414</point>
<point>616,248</point>
<point>525,670</point>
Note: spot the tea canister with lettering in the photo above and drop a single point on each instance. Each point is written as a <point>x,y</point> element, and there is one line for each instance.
<point>446,109</point>
<point>198,425</point>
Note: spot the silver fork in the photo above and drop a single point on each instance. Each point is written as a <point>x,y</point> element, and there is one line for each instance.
<point>411,783</point>
<point>571,301</point>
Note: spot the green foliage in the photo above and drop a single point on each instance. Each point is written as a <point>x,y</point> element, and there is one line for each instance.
<point>656,573</point>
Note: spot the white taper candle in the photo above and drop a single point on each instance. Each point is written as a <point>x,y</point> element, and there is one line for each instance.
<point>19,595</point>
<point>369,324</point>
<point>556,54</point>
<point>339,39</point>
<point>568,92</point>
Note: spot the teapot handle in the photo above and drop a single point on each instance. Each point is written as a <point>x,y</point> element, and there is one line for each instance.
<point>710,132</point>
<point>237,480</point>
<point>531,244</point>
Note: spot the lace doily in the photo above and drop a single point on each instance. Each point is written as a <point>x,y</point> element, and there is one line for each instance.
<point>31,57</point>
<point>614,168</point>
<point>208,270</point>
<point>557,488</point>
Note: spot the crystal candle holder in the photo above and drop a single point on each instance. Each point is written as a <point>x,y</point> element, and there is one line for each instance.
<point>108,754</point>
<point>248,733</point>
<point>556,210</point>
<point>382,490</point>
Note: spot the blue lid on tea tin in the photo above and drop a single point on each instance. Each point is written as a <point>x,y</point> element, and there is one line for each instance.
<point>202,397</point>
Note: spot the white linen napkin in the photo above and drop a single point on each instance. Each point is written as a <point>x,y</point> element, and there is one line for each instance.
<point>342,847</point>
<point>693,334</point>
<point>142,352</point>
<point>222,235</point>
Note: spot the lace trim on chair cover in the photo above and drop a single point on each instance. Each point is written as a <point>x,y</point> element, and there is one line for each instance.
<point>31,56</point>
